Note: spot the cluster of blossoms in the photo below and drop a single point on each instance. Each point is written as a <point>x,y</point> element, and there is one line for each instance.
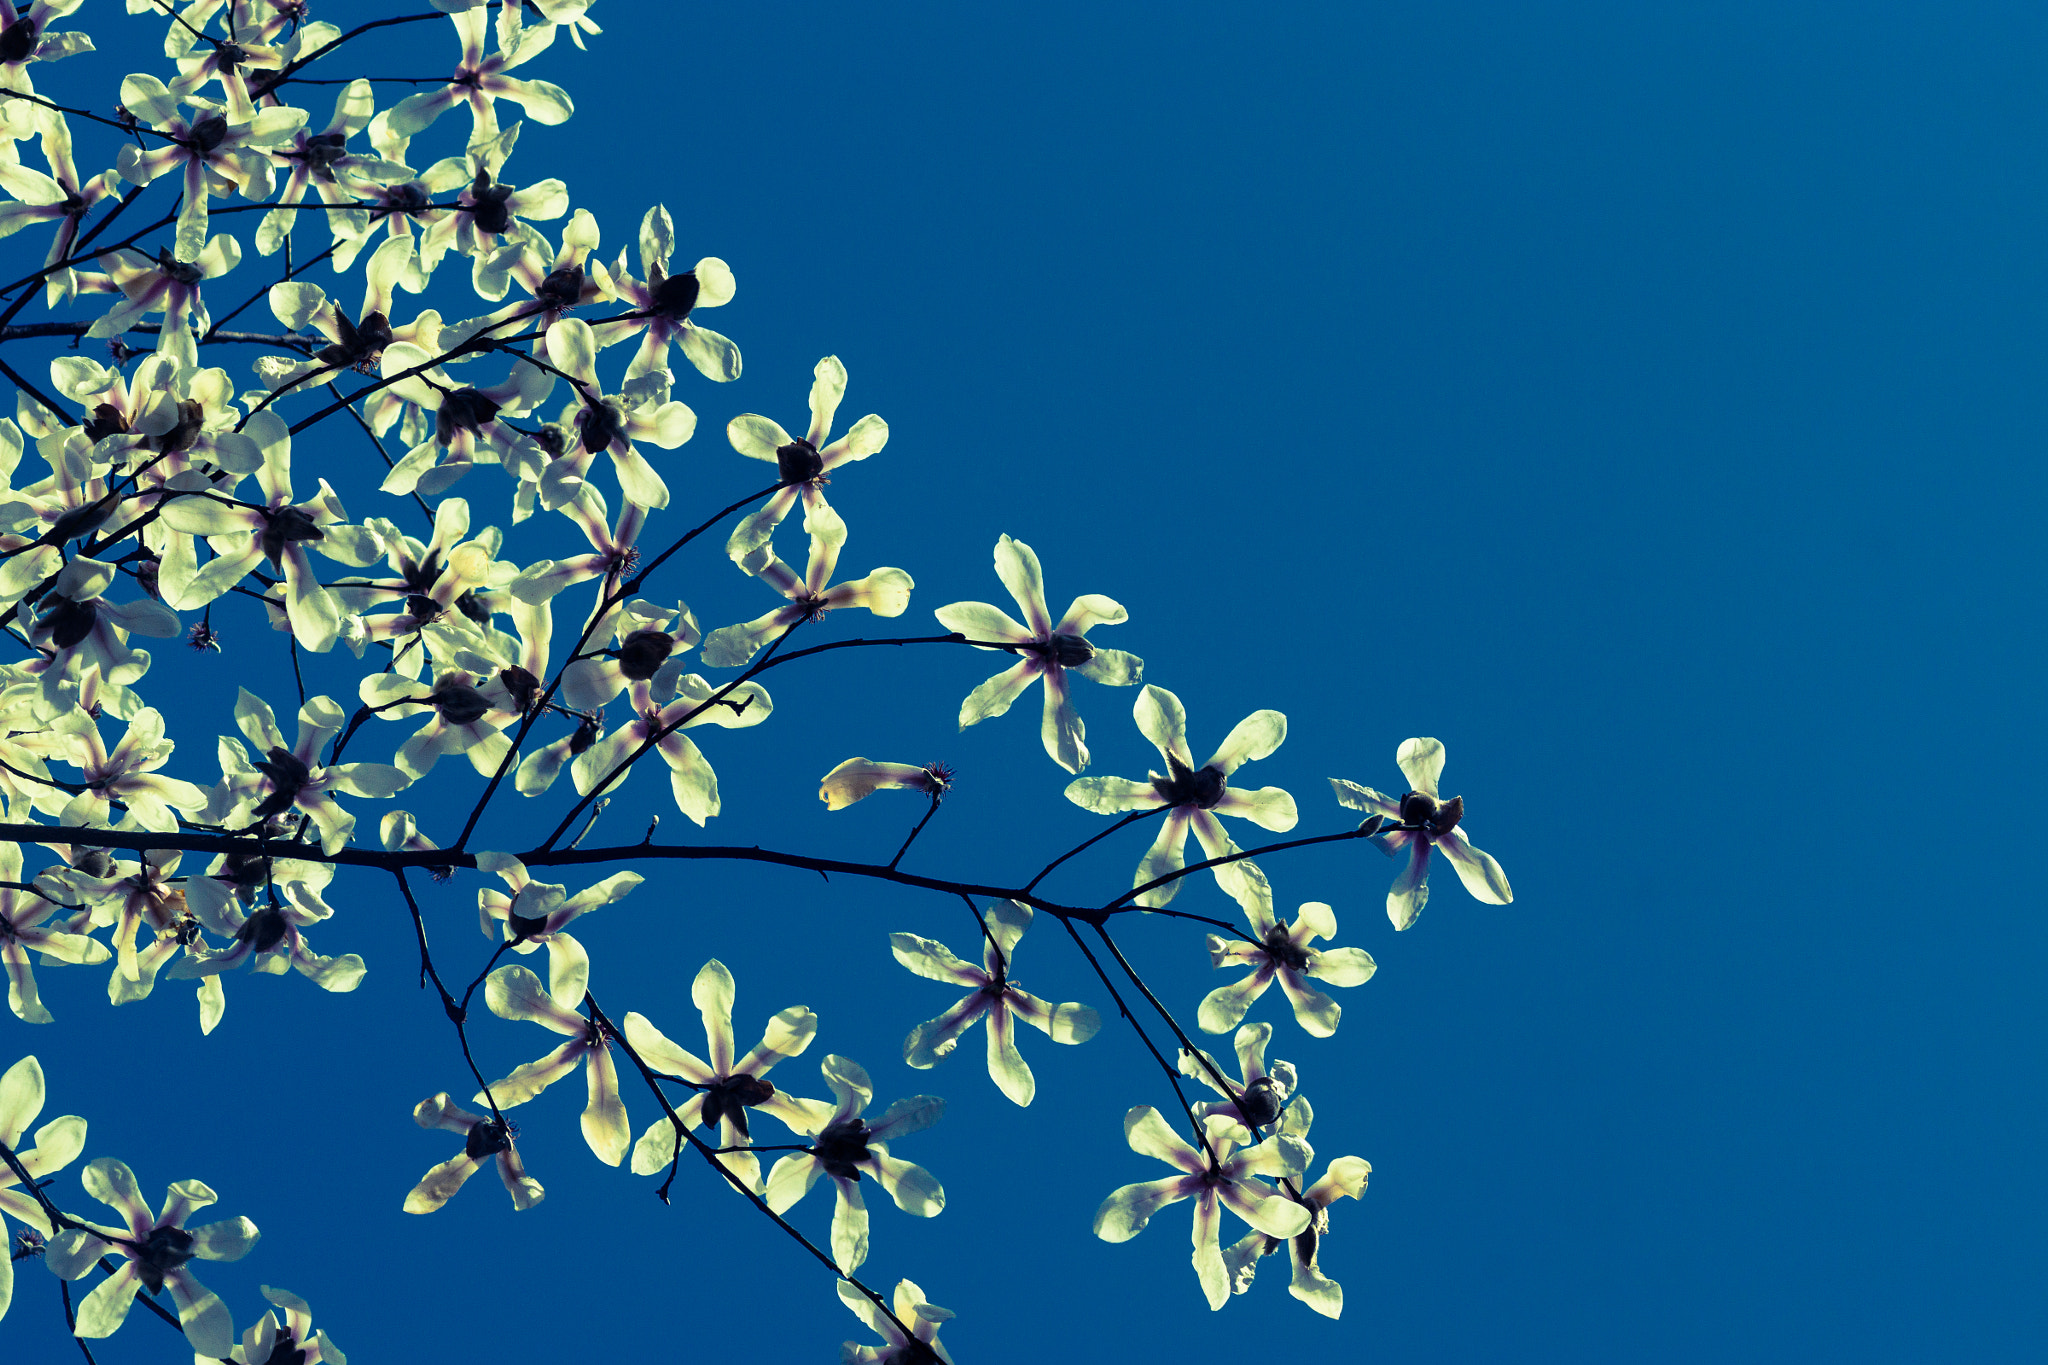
<point>162,493</point>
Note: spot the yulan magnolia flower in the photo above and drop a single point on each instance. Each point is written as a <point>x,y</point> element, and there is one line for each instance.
<point>726,1088</point>
<point>21,929</point>
<point>158,1248</point>
<point>1050,649</point>
<point>643,412</point>
<point>605,764</point>
<point>292,779</point>
<point>803,463</point>
<point>272,936</point>
<point>667,301</point>
<point>993,996</point>
<point>460,720</point>
<point>885,592</point>
<point>537,915</point>
<point>128,774</point>
<point>168,285</point>
<point>25,39</point>
<point>214,151</point>
<point>1283,951</point>
<point>244,535</point>
<point>858,778</point>
<point>846,1147</point>
<point>923,1319</point>
<point>1346,1179</point>
<point>1195,797</point>
<point>1224,1179</point>
<point>82,630</point>
<point>58,1144</point>
<point>516,993</point>
<point>1262,1096</point>
<point>57,197</point>
<point>1425,820</point>
<point>294,1341</point>
<point>481,80</point>
<point>481,1137</point>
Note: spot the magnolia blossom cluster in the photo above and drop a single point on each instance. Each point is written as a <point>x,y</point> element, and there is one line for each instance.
<point>143,492</point>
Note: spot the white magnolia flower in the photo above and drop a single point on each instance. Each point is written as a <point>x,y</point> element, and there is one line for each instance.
<point>481,1137</point>
<point>727,1086</point>
<point>921,1346</point>
<point>1424,820</point>
<point>294,1340</point>
<point>846,1147</point>
<point>992,996</point>
<point>1050,649</point>
<point>58,1144</point>
<point>1283,951</point>
<point>804,462</point>
<point>1226,1180</point>
<point>1261,1096</point>
<point>1194,797</point>
<point>537,915</point>
<point>294,779</point>
<point>1346,1179</point>
<point>859,778</point>
<point>22,929</point>
<point>157,1247</point>
<point>516,993</point>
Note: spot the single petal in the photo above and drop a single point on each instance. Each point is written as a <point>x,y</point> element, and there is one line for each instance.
<point>1163,720</point>
<point>1006,1066</point>
<point>1113,795</point>
<point>1410,891</point>
<point>1254,737</point>
<point>1017,566</point>
<point>935,961</point>
<point>1224,1007</point>
<point>1342,966</point>
<point>1480,873</point>
<point>993,697</point>
<point>1124,1214</point>
<point>980,621</point>
<point>1422,763</point>
<point>1315,1012</point>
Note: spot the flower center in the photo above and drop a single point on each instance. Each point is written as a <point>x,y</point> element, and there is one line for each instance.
<point>489,206</point>
<point>799,461</point>
<point>458,702</point>
<point>69,622</point>
<point>208,133</point>
<point>644,652</point>
<point>485,1139</point>
<point>265,929</point>
<point>675,296</point>
<point>463,409</point>
<point>1201,788</point>
<point>177,271</point>
<point>1432,817</point>
<point>1281,947</point>
<point>164,1250</point>
<point>729,1098</point>
<point>1067,651</point>
<point>842,1144</point>
<point>18,40</point>
<point>1260,1102</point>
<point>598,425</point>
<point>285,526</point>
<point>563,288</point>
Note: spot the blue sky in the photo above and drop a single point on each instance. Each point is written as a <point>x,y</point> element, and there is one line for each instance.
<point>1643,402</point>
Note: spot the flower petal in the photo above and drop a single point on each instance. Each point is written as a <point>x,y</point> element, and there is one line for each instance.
<point>1480,873</point>
<point>1422,763</point>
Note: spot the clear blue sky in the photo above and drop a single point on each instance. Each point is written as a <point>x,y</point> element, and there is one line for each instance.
<point>1644,401</point>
